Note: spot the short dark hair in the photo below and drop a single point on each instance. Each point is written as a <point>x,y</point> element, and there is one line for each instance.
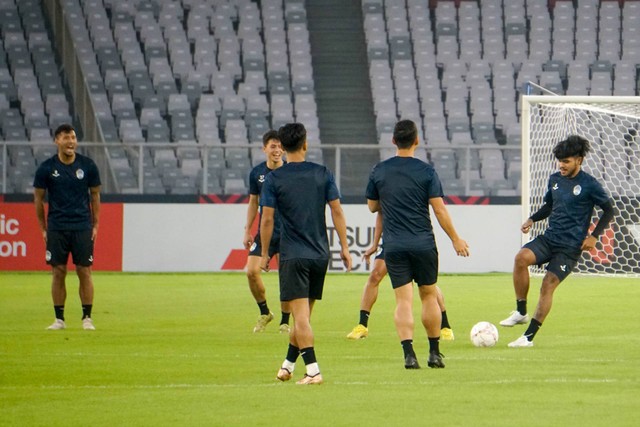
<point>405,133</point>
<point>573,146</point>
<point>292,136</point>
<point>63,128</point>
<point>269,135</point>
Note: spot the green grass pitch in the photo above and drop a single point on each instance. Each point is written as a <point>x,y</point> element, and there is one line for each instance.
<point>178,349</point>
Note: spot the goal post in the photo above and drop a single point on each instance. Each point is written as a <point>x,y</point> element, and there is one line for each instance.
<point>612,126</point>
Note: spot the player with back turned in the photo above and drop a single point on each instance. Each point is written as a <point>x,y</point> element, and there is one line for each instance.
<point>403,188</point>
<point>300,191</point>
<point>568,203</point>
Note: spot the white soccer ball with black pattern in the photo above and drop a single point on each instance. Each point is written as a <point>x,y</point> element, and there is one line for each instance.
<point>484,334</point>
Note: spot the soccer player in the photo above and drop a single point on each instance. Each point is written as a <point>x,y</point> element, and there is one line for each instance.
<point>72,183</point>
<point>299,191</point>
<point>571,196</point>
<point>403,188</point>
<point>370,291</point>
<point>273,152</point>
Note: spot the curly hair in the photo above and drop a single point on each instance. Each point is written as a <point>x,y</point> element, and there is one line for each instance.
<point>573,146</point>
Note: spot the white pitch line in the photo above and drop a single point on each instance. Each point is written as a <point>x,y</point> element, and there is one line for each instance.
<point>339,383</point>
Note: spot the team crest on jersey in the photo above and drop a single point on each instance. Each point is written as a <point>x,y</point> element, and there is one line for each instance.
<point>577,190</point>
<point>55,173</point>
<point>79,174</point>
<point>261,178</point>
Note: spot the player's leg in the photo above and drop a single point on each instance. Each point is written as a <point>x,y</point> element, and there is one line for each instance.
<point>403,319</point>
<point>284,305</point>
<point>369,297</point>
<point>559,267</point>
<point>58,295</point>
<point>524,258</point>
<point>256,286</point>
<point>446,333</point>
<point>550,283</point>
<point>82,255</point>
<point>431,319</point>
<point>425,268</point>
<point>57,256</point>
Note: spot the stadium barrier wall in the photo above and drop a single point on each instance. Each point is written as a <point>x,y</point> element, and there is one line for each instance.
<point>141,237</point>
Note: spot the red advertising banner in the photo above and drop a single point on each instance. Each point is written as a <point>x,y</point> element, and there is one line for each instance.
<point>22,247</point>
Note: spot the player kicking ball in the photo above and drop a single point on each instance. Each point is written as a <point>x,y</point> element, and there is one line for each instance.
<point>571,196</point>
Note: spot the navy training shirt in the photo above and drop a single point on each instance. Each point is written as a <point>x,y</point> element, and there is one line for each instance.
<point>256,179</point>
<point>404,185</point>
<point>572,201</point>
<point>299,192</point>
<point>67,189</point>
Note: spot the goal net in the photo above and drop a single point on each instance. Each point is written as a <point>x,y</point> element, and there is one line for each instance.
<point>612,126</point>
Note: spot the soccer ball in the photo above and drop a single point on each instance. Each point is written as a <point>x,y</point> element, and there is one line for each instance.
<point>484,334</point>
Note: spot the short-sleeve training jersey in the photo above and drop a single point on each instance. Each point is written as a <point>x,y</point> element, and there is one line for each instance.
<point>299,192</point>
<point>67,189</point>
<point>256,180</point>
<point>572,201</point>
<point>404,185</point>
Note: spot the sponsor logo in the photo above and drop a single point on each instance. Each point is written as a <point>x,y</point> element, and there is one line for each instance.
<point>91,258</point>
<point>577,190</point>
<point>47,256</point>
<point>563,267</point>
<point>79,174</point>
<point>253,247</point>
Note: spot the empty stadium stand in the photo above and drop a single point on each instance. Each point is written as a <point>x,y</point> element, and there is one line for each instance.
<point>180,91</point>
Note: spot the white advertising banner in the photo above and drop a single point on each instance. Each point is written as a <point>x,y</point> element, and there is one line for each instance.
<point>208,237</point>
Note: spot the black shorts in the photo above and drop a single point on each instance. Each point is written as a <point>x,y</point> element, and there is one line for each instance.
<point>559,260</point>
<point>417,266</point>
<point>61,243</point>
<point>302,278</point>
<point>256,248</point>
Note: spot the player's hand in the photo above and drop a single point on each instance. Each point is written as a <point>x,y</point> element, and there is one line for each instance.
<point>526,226</point>
<point>264,263</point>
<point>461,247</point>
<point>345,255</point>
<point>44,236</point>
<point>366,257</point>
<point>589,243</point>
<point>248,240</point>
<point>94,234</point>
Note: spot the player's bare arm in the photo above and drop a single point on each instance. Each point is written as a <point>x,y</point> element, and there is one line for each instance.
<point>526,226</point>
<point>95,211</point>
<point>340,224</point>
<point>266,231</point>
<point>442,214</point>
<point>252,211</point>
<point>377,235</point>
<point>38,197</point>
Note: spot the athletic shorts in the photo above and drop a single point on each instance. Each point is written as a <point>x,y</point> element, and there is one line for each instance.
<point>558,260</point>
<point>61,243</point>
<point>256,248</point>
<point>380,253</point>
<point>302,278</point>
<point>417,266</point>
